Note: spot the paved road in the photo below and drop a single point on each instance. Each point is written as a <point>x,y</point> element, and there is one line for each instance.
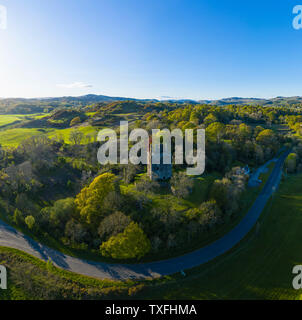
<point>254,180</point>
<point>9,237</point>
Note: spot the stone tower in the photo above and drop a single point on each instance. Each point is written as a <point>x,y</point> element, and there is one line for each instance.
<point>158,172</point>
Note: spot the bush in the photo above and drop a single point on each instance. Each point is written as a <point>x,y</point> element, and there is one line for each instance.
<point>30,221</point>
<point>291,162</point>
<point>18,218</point>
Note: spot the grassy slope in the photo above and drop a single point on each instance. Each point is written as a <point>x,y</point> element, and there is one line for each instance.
<point>8,119</point>
<point>258,268</point>
<point>4,119</point>
<point>13,137</point>
<point>65,133</point>
<point>30,278</point>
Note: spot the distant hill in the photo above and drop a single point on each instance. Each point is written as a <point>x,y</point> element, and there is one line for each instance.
<point>278,101</point>
<point>27,106</point>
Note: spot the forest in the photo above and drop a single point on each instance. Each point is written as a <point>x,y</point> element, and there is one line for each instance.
<point>53,188</point>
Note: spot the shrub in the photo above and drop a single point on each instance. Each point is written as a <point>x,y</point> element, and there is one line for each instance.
<point>291,163</point>
<point>30,221</point>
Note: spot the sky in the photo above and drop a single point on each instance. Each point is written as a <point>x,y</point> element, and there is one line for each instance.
<point>201,49</point>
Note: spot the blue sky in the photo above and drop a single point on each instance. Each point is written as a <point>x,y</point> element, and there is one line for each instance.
<point>201,49</point>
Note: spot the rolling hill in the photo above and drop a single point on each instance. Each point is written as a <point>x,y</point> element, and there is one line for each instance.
<point>37,105</point>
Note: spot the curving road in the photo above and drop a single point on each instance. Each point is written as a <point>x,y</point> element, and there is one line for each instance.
<point>9,237</point>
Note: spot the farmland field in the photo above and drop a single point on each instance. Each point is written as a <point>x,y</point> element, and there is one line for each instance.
<point>8,119</point>
<point>12,137</point>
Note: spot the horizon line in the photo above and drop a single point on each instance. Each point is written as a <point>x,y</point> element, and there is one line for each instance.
<point>135,98</point>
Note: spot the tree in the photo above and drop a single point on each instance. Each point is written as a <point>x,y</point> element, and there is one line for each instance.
<point>132,243</point>
<point>181,185</point>
<point>215,131</point>
<point>194,117</point>
<point>209,119</point>
<point>257,130</point>
<point>75,121</point>
<point>18,217</point>
<point>220,191</point>
<point>245,131</point>
<point>30,221</point>
<point>207,215</point>
<point>271,116</point>
<point>266,138</point>
<point>113,225</point>
<point>259,154</point>
<point>146,185</point>
<point>187,125</point>
<point>269,141</point>
<point>76,137</point>
<point>59,213</point>
<point>90,200</point>
<point>75,231</point>
<point>291,162</point>
<point>129,172</point>
<point>227,191</point>
<point>39,150</point>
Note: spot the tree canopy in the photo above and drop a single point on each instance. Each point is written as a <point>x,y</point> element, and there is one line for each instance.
<point>90,200</point>
<point>132,243</point>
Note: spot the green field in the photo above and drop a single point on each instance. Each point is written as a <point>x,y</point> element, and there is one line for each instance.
<point>10,136</point>
<point>258,268</point>
<point>4,120</point>
<point>9,119</point>
<point>13,137</point>
<point>65,133</point>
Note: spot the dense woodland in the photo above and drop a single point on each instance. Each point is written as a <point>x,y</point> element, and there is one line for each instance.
<point>55,189</point>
